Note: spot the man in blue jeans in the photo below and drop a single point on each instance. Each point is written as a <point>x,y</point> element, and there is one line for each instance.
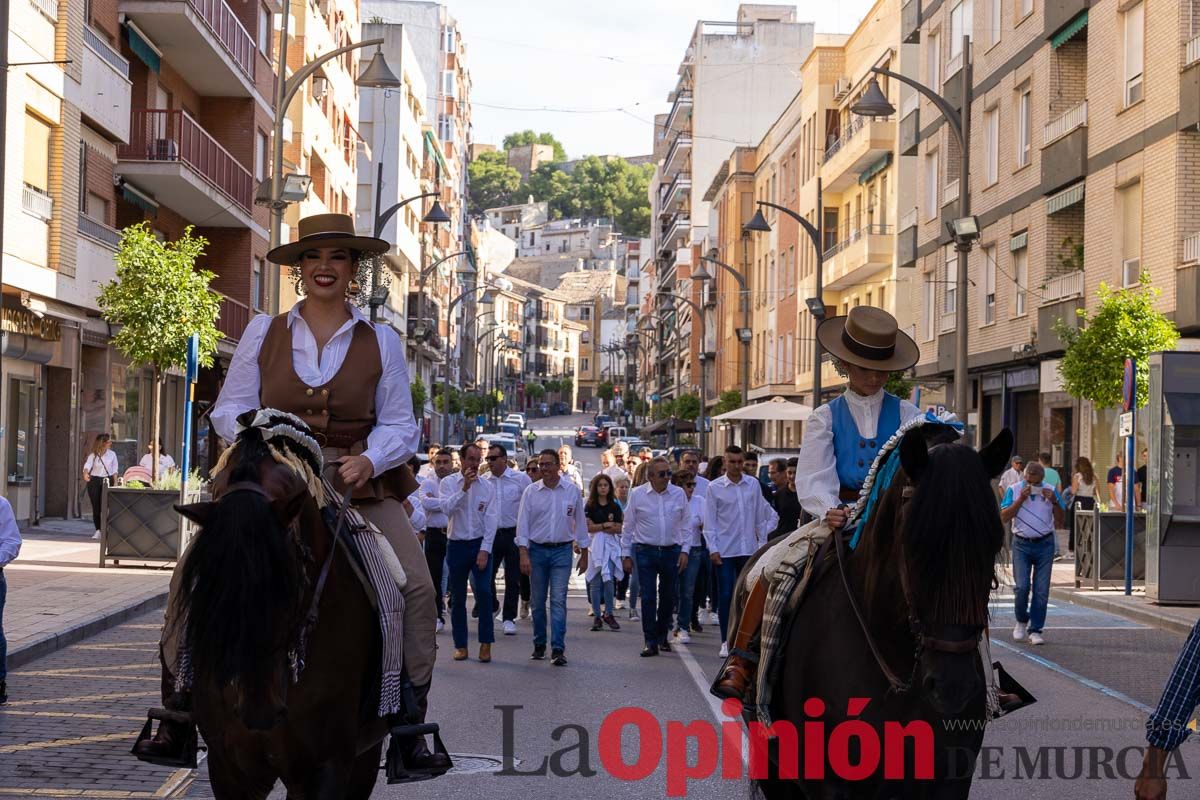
<point>1035,510</point>
<point>472,509</point>
<point>10,546</point>
<point>549,520</point>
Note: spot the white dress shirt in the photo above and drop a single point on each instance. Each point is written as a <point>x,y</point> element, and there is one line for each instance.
<point>572,474</point>
<point>472,512</point>
<point>817,483</point>
<point>604,557</point>
<point>655,518</point>
<point>417,517</point>
<point>10,534</point>
<point>508,488</point>
<point>615,473</point>
<point>165,462</point>
<point>1011,477</point>
<point>701,489</point>
<point>551,515</point>
<point>695,523</point>
<point>737,518</point>
<point>394,438</point>
<point>429,495</point>
<point>103,467</point>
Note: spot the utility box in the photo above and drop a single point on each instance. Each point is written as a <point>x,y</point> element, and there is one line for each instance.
<point>1173,479</point>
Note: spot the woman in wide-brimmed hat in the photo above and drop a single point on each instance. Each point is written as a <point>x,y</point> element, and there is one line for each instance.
<point>325,362</point>
<point>842,438</point>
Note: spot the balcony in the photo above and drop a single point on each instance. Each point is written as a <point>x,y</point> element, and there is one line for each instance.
<point>910,125</point>
<point>862,144</point>
<point>910,22</point>
<point>1063,287</point>
<point>104,90</point>
<point>37,203</point>
<point>1191,249</point>
<point>681,110</point>
<point>1061,298</point>
<point>1058,13</point>
<point>204,40</point>
<point>861,253</point>
<point>1064,149</point>
<point>175,159</point>
<point>233,319</point>
<point>670,196</point>
<point>906,243</point>
<point>677,232</point>
<point>32,242</point>
<point>678,153</point>
<point>1189,86</point>
<point>98,231</point>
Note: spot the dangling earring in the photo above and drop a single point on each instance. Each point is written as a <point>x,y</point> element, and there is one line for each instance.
<point>353,288</point>
<point>297,280</point>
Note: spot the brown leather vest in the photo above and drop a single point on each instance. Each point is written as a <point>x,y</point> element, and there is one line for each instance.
<point>340,412</point>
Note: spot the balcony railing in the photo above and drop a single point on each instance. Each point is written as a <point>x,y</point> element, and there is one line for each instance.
<point>157,135</point>
<point>908,220</point>
<point>1063,287</point>
<point>105,51</point>
<point>229,30</point>
<point>1070,120</point>
<point>234,318</point>
<point>856,124</point>
<point>857,235</point>
<point>47,7</point>
<point>1191,249</point>
<point>110,237</point>
<point>1191,51</point>
<point>910,104</point>
<point>954,64</point>
<point>37,203</point>
<point>682,139</point>
<point>950,192</point>
<point>668,190</point>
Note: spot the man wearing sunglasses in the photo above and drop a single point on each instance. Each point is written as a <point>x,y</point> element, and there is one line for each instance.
<point>508,484</point>
<point>655,528</point>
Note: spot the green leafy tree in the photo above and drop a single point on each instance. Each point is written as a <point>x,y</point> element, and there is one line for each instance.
<point>527,136</point>
<point>566,384</point>
<point>493,182</point>
<point>664,409</point>
<point>640,407</point>
<point>473,405</point>
<point>419,395</point>
<point>554,386</point>
<point>535,391</point>
<point>159,299</point>
<point>552,185</point>
<point>730,400</point>
<point>687,407</point>
<point>608,187</point>
<point>605,391</point>
<point>899,385</point>
<point>1126,325</point>
<point>456,405</point>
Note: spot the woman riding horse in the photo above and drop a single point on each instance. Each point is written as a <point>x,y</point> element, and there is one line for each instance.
<point>347,379</point>
<point>841,441</point>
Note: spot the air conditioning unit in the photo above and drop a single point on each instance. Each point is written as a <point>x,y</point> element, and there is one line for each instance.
<point>841,88</point>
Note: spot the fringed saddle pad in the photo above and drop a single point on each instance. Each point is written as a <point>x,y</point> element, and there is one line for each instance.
<point>786,567</point>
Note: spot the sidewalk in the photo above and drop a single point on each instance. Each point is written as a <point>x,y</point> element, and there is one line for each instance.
<point>1175,619</point>
<point>58,595</point>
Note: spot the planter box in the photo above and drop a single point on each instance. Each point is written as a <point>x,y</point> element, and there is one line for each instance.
<point>142,525</point>
<point>1100,549</point>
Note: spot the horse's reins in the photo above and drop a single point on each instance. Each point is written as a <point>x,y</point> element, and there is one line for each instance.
<point>923,642</point>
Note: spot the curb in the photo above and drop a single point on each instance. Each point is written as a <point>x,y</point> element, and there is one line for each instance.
<point>1145,615</point>
<point>53,642</point>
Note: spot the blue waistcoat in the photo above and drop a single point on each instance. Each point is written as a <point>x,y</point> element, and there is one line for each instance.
<point>855,454</point>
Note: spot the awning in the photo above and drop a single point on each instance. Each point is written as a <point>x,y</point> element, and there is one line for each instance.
<point>1018,242</point>
<point>49,307</point>
<point>664,426</point>
<point>876,168</point>
<point>1064,199</point>
<point>777,409</point>
<point>131,194</point>
<point>1073,27</point>
<point>141,46</point>
<point>434,147</point>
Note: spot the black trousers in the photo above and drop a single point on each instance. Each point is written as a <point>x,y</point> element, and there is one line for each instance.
<point>504,550</point>
<point>435,557</point>
<point>95,490</point>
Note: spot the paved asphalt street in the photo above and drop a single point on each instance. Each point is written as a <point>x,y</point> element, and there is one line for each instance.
<point>73,714</point>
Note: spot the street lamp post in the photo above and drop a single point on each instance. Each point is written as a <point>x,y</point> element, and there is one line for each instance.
<point>965,229</point>
<point>703,360</point>
<point>744,333</point>
<point>486,300</point>
<point>816,303</point>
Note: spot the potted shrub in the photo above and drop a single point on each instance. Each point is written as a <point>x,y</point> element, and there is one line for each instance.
<point>140,522</point>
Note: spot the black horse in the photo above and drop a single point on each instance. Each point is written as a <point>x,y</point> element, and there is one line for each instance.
<point>887,634</point>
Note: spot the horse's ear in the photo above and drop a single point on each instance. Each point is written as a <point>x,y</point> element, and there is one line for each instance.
<point>914,454</point>
<point>199,513</point>
<point>997,452</point>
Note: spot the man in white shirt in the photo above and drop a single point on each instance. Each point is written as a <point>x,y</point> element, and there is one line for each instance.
<point>508,484</point>
<point>470,505</point>
<point>690,462</point>
<point>569,468</point>
<point>737,521</point>
<point>615,469</point>
<point>655,528</point>
<point>430,500</point>
<point>10,548</point>
<point>549,521</point>
<point>1013,475</point>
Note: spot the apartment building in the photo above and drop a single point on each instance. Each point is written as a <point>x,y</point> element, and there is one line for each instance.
<point>591,294</point>
<point>734,80</point>
<point>513,221</point>
<point>1084,148</point>
<point>551,339</point>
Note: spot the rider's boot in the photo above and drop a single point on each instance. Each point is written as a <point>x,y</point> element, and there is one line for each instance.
<point>408,756</point>
<point>741,665</point>
<point>175,743</point>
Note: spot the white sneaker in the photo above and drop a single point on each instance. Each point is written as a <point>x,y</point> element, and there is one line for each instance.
<point>724,653</point>
<point>1036,638</point>
<point>710,618</point>
<point>441,626</point>
<point>524,610</point>
<point>620,605</point>
<point>510,628</point>
<point>682,636</point>
<point>633,614</point>
<point>500,617</point>
<point>96,535</point>
<point>1020,631</point>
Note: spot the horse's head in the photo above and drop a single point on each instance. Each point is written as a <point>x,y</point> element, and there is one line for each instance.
<point>243,581</point>
<point>946,533</point>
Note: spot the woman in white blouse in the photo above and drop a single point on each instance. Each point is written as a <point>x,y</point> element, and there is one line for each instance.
<point>99,468</point>
<point>165,462</point>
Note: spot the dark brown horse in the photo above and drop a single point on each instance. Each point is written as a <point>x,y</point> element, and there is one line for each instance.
<point>247,585</point>
<point>921,576</point>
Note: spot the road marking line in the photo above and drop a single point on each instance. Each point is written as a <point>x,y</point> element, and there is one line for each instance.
<point>179,781</point>
<point>70,714</point>
<point>58,674</point>
<point>714,705</point>
<point>101,737</point>
<point>1075,676</point>
<point>84,698</point>
<point>83,794</point>
<point>95,668</point>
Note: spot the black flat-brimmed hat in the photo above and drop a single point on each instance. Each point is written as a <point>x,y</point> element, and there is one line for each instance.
<point>868,337</point>
<point>326,230</point>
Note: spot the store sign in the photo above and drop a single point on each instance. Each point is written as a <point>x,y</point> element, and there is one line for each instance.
<point>18,320</point>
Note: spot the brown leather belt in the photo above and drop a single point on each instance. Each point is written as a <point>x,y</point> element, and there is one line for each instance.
<point>342,441</point>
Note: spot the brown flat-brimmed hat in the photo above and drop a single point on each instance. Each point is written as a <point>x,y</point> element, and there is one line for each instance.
<point>326,230</point>
<point>868,337</point>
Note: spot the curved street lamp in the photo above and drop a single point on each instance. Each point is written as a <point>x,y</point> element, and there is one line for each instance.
<point>486,300</point>
<point>703,359</point>
<point>745,333</point>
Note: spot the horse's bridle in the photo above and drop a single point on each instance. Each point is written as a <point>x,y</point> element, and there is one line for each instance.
<point>923,642</point>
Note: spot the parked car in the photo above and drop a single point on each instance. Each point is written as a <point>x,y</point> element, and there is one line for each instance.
<point>518,419</point>
<point>514,447</point>
<point>600,420</point>
<point>510,429</point>
<point>587,436</point>
<point>636,443</point>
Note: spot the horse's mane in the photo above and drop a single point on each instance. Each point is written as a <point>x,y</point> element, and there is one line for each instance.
<point>950,536</point>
